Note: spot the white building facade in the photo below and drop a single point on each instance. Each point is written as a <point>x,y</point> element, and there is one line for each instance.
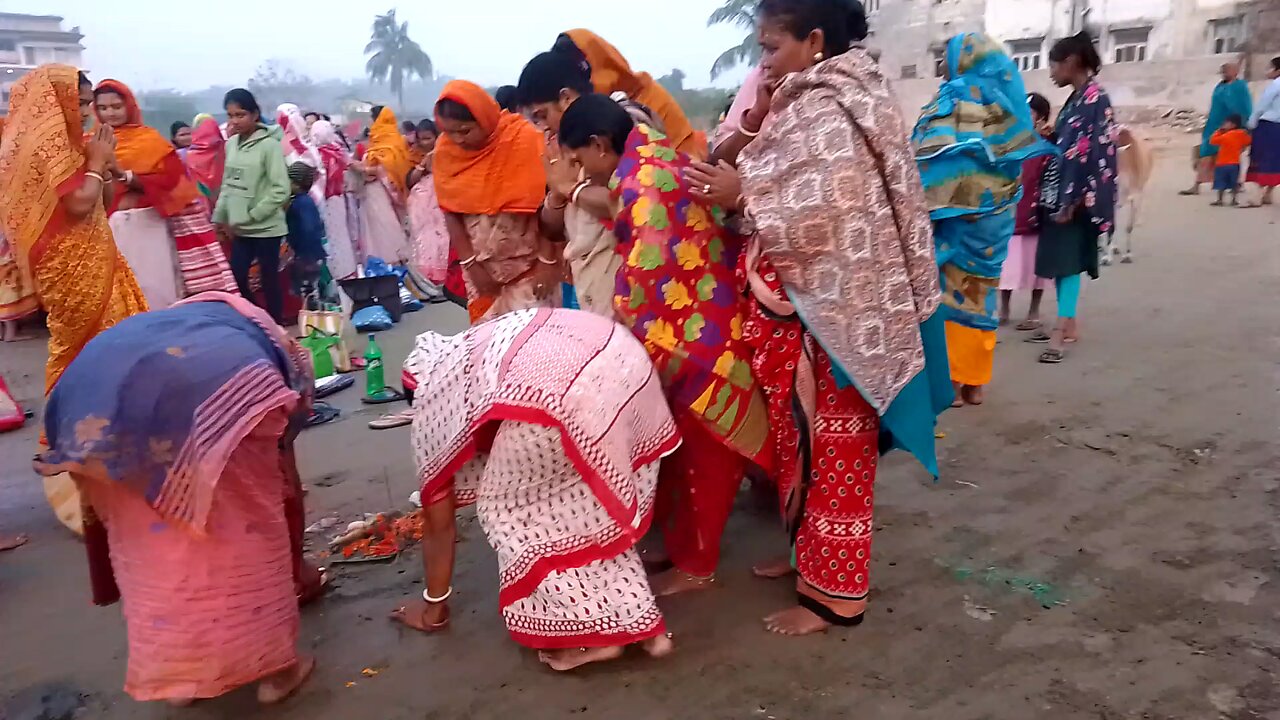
<point>913,33</point>
<point>28,41</point>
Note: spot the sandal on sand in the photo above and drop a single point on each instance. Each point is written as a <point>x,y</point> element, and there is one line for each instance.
<point>1052,356</point>
<point>392,420</point>
<point>1029,325</point>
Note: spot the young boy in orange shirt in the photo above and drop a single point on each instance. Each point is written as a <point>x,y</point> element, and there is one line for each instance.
<point>1230,139</point>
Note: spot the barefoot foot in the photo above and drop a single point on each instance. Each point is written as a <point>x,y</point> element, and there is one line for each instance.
<point>285,683</point>
<point>773,569</point>
<point>566,660</point>
<point>659,646</point>
<point>795,621</point>
<point>972,394</point>
<point>676,581</point>
<point>422,616</point>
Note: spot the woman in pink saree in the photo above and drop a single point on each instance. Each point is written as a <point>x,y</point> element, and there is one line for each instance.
<point>428,234</point>
<point>335,160</point>
<point>553,423</point>
<point>177,427</point>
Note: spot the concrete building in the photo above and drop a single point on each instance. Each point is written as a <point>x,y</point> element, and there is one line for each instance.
<point>1157,52</point>
<point>27,41</point>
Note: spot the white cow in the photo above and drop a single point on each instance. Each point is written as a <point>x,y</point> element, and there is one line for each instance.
<point>1134,170</point>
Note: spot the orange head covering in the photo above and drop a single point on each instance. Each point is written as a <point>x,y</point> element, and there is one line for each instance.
<point>506,175</point>
<point>41,157</point>
<point>611,73</point>
<point>389,150</point>
<point>143,150</point>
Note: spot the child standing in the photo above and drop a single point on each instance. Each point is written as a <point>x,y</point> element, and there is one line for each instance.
<point>306,232</point>
<point>1231,139</point>
<point>1019,269</point>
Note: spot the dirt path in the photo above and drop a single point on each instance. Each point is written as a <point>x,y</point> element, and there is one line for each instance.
<point>1102,545</point>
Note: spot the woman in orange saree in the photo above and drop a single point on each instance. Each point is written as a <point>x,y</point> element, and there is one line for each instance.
<point>490,182</point>
<point>156,177</point>
<point>17,290</point>
<point>53,194</point>
<point>386,165</point>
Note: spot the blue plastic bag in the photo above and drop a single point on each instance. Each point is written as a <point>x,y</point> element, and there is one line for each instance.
<point>376,266</point>
<point>374,318</point>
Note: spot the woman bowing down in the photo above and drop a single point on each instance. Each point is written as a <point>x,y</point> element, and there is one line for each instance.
<point>552,422</point>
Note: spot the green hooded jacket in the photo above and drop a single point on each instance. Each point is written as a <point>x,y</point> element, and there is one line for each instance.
<point>255,186</point>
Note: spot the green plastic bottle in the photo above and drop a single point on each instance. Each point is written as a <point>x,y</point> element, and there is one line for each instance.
<point>373,380</point>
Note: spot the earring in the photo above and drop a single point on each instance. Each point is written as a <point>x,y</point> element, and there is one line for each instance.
<point>817,57</point>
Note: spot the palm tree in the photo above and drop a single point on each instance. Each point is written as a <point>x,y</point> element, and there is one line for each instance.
<point>395,55</point>
<point>742,14</point>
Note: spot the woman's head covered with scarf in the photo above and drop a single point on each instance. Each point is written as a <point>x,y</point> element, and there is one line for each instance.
<point>610,73</point>
<point>487,160</point>
<point>140,149</point>
<point>970,141</point>
<point>388,149</point>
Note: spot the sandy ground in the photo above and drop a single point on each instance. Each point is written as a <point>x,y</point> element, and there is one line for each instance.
<point>1102,544</point>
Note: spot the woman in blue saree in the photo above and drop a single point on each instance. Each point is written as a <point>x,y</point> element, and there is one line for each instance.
<point>970,142</point>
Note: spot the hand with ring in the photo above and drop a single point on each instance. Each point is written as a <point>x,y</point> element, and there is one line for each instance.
<point>717,184</point>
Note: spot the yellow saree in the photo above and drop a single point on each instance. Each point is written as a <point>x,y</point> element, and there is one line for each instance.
<point>79,276</point>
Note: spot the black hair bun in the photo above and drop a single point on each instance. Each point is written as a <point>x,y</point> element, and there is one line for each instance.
<point>857,21</point>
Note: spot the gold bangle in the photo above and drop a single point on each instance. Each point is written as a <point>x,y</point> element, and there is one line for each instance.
<point>747,133</point>
<point>468,262</point>
<point>561,206</point>
<point>546,261</point>
<point>95,176</point>
<point>573,198</point>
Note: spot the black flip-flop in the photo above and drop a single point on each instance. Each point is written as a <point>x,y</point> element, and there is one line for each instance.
<point>1052,356</point>
<point>332,384</point>
<point>1040,338</point>
<point>322,413</point>
<point>384,396</point>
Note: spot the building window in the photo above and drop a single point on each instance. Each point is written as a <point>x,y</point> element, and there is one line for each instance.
<point>871,6</point>
<point>1026,54</point>
<point>1130,45</point>
<point>908,72</point>
<point>939,62</point>
<point>29,55</point>
<point>8,46</point>
<point>1226,35</point>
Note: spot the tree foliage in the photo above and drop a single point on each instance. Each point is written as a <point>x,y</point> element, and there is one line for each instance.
<point>394,56</point>
<point>742,14</point>
<point>276,82</point>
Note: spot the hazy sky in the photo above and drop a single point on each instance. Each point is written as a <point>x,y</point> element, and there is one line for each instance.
<point>153,44</point>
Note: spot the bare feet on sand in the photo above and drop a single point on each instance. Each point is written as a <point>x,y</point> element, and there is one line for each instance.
<point>773,569</point>
<point>422,616</point>
<point>571,658</point>
<point>568,659</point>
<point>9,542</point>
<point>795,621</point>
<point>659,646</point>
<point>286,682</point>
<point>676,581</point>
